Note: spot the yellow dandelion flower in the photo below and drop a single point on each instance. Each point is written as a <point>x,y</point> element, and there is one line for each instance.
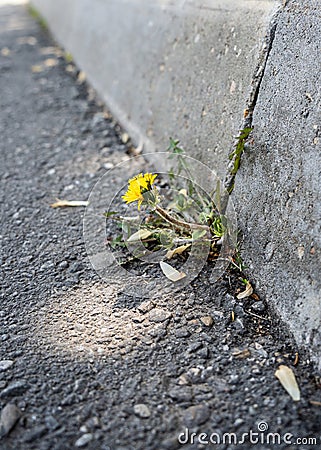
<point>137,186</point>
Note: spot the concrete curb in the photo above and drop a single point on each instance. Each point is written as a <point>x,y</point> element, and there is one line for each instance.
<point>278,193</point>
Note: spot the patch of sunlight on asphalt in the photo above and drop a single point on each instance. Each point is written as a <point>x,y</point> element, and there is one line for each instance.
<point>88,321</point>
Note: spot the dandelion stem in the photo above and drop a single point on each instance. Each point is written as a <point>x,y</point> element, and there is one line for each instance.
<point>180,223</point>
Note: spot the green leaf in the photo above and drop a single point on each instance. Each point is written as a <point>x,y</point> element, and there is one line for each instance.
<point>166,238</point>
<point>239,148</point>
<point>126,228</point>
<point>181,201</point>
<point>118,241</point>
<point>173,146</point>
<point>197,234</point>
<point>245,132</point>
<point>217,227</point>
<point>191,188</point>
<point>109,213</point>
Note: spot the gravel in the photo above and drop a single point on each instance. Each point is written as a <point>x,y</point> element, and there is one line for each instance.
<point>95,367</point>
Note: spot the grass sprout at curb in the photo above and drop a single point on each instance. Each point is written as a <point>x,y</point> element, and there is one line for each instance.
<point>34,13</point>
<point>236,155</point>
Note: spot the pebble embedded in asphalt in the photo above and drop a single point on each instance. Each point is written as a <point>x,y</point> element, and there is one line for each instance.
<point>84,440</point>
<point>196,415</point>
<point>5,364</point>
<point>14,389</point>
<point>10,414</point>
<point>142,410</point>
<point>159,315</point>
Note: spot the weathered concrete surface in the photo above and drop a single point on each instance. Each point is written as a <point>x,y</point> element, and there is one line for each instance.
<point>168,68</point>
<point>278,189</point>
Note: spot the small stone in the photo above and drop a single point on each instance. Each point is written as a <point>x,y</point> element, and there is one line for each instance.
<point>69,400</point>
<point>183,380</point>
<point>238,422</point>
<point>234,379</point>
<point>142,410</point>
<point>239,311</point>
<point>181,393</point>
<point>80,385</point>
<point>5,364</point>
<point>76,267</point>
<point>268,251</point>
<point>35,433</point>
<point>15,388</point>
<point>218,314</point>
<point>194,347</point>
<point>146,306</point>
<point>258,307</point>
<point>138,319</point>
<point>63,265</point>
<point>196,415</point>
<point>159,315</point>
<point>158,331</point>
<point>259,350</point>
<point>241,353</point>
<point>256,370</point>
<point>51,423</point>
<point>93,422</point>
<point>238,325</point>
<point>194,374</point>
<point>84,440</point>
<point>171,444</point>
<point>203,353</point>
<point>191,301</point>
<point>229,301</point>
<point>98,119</point>
<point>182,333</point>
<point>207,321</point>
<point>9,416</point>
<point>189,316</point>
<point>47,266</point>
<point>300,250</point>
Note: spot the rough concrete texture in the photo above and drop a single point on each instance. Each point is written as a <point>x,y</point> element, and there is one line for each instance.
<point>278,187</point>
<point>187,66</point>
